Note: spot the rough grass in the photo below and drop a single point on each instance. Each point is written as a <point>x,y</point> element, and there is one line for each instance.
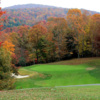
<point>51,75</point>
<point>66,93</point>
<point>24,71</point>
<point>76,61</point>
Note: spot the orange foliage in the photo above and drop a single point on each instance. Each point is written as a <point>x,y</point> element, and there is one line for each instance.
<point>8,46</point>
<point>36,32</point>
<point>1,12</point>
<point>96,17</point>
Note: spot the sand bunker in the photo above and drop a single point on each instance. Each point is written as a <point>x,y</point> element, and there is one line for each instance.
<point>19,76</point>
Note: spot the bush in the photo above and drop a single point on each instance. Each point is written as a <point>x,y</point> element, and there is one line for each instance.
<point>22,61</point>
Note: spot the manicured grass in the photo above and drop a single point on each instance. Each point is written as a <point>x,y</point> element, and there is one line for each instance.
<point>51,75</point>
<point>66,93</point>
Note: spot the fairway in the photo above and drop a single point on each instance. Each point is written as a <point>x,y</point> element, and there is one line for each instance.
<point>49,75</point>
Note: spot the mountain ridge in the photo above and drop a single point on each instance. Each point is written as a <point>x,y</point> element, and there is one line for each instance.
<point>31,5</point>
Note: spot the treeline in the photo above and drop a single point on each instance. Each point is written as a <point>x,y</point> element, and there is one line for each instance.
<point>77,35</point>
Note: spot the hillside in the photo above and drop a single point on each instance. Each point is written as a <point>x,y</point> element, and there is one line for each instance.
<point>30,14</point>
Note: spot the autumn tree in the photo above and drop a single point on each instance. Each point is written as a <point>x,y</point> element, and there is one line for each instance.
<point>6,80</point>
<point>95,30</point>
<point>20,40</point>
<point>76,24</point>
<point>87,36</point>
<point>47,43</point>
<point>59,33</point>
<point>36,35</point>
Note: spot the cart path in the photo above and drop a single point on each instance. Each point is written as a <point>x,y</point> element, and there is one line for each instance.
<point>79,85</point>
<point>62,86</point>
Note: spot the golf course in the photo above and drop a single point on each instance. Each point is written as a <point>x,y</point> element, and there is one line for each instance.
<point>75,79</point>
<point>61,73</point>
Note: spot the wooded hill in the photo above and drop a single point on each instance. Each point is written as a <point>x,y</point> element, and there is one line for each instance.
<point>30,14</point>
<point>50,34</point>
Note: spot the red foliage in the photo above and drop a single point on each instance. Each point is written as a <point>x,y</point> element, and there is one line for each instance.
<point>0,44</point>
<point>1,13</point>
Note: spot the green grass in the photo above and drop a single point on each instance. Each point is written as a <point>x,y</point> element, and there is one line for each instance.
<point>85,71</point>
<point>66,93</point>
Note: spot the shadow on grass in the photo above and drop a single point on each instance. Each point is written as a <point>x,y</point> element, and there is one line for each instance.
<point>96,71</point>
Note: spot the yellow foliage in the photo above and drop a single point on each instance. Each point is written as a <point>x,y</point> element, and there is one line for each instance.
<point>9,46</point>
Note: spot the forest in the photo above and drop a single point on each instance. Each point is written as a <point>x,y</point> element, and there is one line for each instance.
<point>42,39</point>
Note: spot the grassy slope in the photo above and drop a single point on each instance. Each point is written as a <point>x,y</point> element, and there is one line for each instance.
<point>68,93</point>
<point>60,74</point>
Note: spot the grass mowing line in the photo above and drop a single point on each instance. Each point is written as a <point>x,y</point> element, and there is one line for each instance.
<point>61,86</point>
<point>35,88</point>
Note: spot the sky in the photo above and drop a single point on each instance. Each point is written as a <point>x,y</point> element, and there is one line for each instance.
<point>93,5</point>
